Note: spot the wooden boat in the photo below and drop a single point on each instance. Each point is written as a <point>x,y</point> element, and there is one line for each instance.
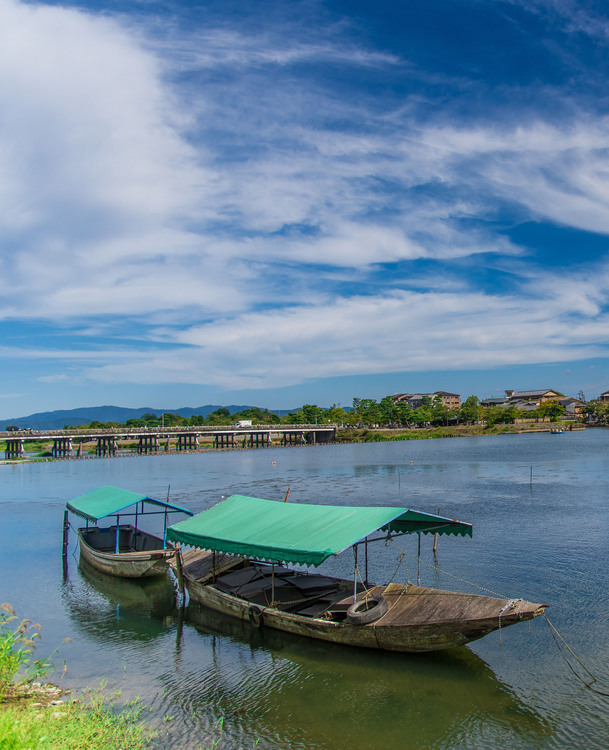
<point>123,549</point>
<point>238,567</point>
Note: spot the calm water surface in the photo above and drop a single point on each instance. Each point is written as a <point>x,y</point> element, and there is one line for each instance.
<point>206,678</point>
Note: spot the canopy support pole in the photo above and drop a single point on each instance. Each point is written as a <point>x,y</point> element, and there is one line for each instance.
<point>116,544</point>
<point>135,526</point>
<point>366,550</point>
<point>272,584</point>
<point>180,573</point>
<point>165,526</point>
<point>354,573</point>
<point>66,533</point>
<point>419,562</point>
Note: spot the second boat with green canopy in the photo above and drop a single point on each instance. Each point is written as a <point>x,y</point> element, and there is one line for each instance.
<point>124,550</point>
<point>238,567</point>
<point>299,533</point>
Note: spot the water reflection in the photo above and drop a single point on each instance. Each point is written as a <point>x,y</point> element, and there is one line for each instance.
<point>544,541</point>
<point>114,609</point>
<point>276,689</point>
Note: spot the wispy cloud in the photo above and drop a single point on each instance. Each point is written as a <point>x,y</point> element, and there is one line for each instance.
<point>218,192</point>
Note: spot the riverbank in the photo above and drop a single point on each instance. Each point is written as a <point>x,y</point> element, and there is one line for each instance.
<point>37,717</point>
<point>33,715</point>
<point>343,435</point>
<point>377,435</point>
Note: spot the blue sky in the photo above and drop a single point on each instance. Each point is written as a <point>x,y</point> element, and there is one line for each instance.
<point>283,202</point>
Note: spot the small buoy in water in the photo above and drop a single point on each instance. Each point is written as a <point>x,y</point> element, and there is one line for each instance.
<point>274,462</point>
<point>411,462</point>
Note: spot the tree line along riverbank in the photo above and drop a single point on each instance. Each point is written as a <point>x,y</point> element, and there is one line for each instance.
<point>41,449</point>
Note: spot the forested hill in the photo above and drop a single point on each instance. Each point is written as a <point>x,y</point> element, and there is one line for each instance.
<point>56,420</point>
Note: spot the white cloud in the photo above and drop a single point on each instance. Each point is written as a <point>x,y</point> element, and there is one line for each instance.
<point>559,174</point>
<point>402,331</point>
<point>170,211</point>
<point>94,173</point>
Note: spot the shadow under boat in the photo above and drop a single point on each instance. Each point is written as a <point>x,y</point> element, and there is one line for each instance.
<point>108,607</point>
<point>289,686</point>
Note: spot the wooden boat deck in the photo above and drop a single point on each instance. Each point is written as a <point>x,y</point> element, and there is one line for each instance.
<point>296,592</point>
<point>317,596</point>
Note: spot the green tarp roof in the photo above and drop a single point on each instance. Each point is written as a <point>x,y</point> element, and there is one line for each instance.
<point>298,533</point>
<point>109,501</point>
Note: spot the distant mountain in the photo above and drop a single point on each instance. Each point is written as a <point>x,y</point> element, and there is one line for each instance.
<point>55,420</point>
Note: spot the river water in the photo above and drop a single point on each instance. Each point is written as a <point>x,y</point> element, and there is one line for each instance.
<point>540,508</point>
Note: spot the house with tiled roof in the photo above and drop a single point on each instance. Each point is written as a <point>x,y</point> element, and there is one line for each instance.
<point>495,401</point>
<point>414,400</point>
<point>537,397</point>
<point>573,407</point>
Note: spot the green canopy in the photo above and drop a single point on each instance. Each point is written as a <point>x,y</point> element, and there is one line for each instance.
<point>110,501</point>
<point>291,532</point>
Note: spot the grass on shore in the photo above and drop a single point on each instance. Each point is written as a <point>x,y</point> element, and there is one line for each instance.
<point>25,723</point>
<point>380,435</point>
<point>35,716</point>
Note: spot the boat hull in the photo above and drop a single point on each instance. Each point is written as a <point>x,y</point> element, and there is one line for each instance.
<point>125,564</point>
<point>418,619</point>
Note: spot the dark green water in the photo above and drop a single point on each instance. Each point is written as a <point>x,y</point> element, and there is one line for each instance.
<point>212,679</point>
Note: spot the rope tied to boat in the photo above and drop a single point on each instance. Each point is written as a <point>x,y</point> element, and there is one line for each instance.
<point>558,637</point>
<point>438,569</point>
<point>504,610</point>
<point>401,559</point>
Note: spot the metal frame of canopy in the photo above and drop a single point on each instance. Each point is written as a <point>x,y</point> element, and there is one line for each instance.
<point>117,502</point>
<point>366,541</point>
<point>302,533</point>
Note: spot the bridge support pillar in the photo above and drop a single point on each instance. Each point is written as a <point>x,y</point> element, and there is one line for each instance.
<point>14,448</point>
<point>187,442</point>
<point>62,447</point>
<point>106,446</point>
<point>148,444</point>
<point>224,440</point>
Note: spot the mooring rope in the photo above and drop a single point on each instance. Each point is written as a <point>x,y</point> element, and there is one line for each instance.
<point>557,636</point>
<point>445,572</point>
<point>401,558</point>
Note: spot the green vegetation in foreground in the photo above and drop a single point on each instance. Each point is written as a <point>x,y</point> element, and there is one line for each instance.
<point>88,723</point>
<point>32,716</point>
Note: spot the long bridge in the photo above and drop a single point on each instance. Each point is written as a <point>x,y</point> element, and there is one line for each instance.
<point>69,443</point>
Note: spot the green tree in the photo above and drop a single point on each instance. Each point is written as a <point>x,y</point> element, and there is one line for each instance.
<point>440,413</point>
<point>470,410</point>
<point>404,413</point>
<point>368,411</point>
<point>293,417</point>
<point>335,414</point>
<point>219,416</point>
<point>169,419</point>
<point>388,411</point>
<point>551,409</point>
<point>424,413</point>
<point>311,413</point>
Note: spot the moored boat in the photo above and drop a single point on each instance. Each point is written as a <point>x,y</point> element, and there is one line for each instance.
<point>123,549</point>
<point>239,566</point>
